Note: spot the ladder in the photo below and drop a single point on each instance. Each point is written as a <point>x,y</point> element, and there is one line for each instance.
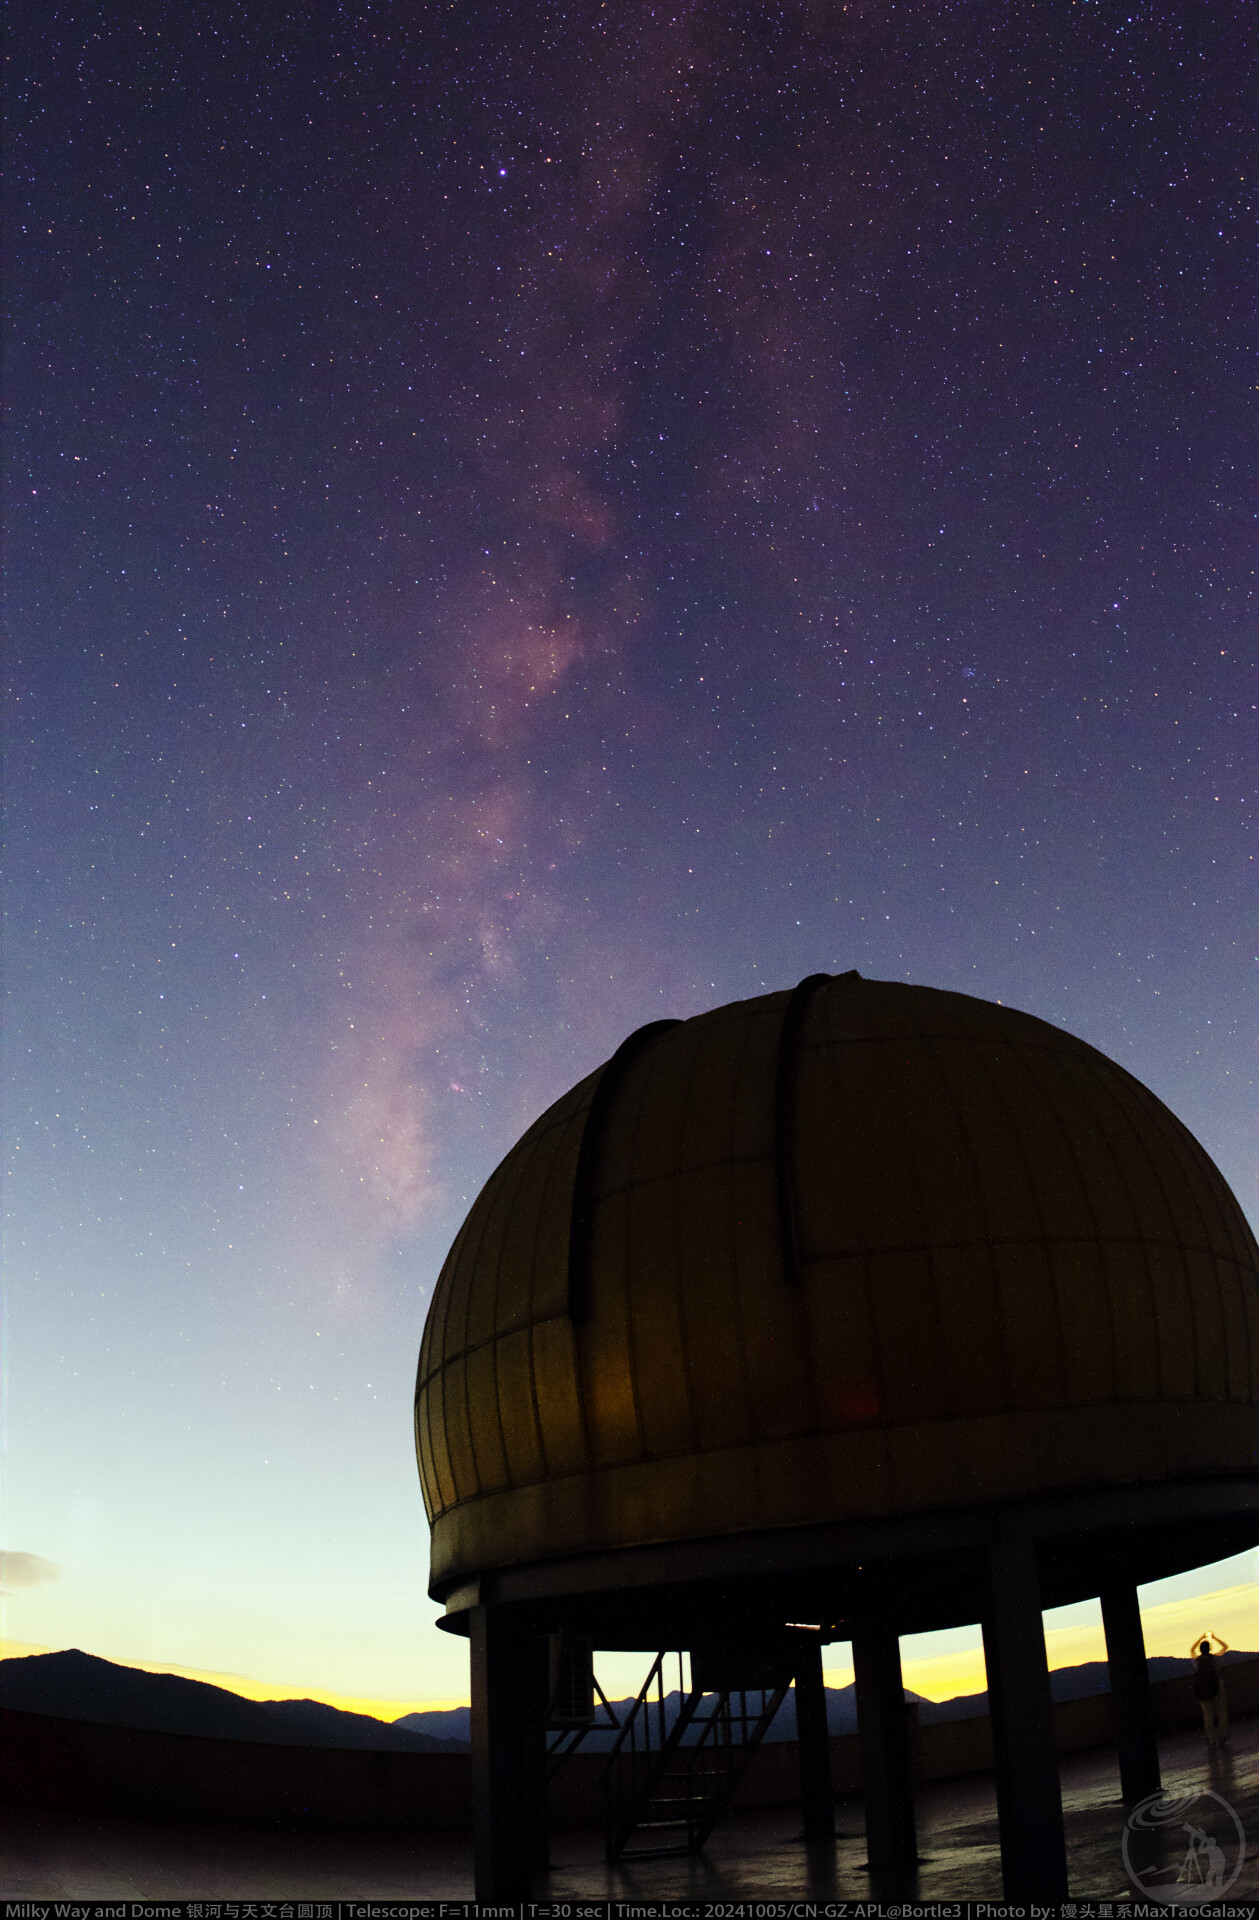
<point>677,1760</point>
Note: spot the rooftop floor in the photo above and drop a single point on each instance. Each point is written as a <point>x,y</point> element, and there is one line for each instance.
<point>46,1854</point>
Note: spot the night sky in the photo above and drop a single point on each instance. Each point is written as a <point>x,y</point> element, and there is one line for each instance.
<point>524,520</point>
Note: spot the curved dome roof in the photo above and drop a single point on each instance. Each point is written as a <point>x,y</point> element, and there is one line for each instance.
<point>863,1249</point>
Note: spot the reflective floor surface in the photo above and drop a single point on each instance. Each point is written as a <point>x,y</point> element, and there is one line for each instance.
<point>67,1856</point>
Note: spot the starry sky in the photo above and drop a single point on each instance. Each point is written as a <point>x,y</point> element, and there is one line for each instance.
<point>522,521</point>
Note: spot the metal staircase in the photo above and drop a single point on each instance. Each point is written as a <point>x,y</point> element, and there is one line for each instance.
<point>678,1759</point>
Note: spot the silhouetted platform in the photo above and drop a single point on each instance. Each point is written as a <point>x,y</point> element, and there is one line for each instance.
<point>866,1307</point>
<point>68,1856</point>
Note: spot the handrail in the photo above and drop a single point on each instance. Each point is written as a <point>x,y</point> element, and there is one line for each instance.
<point>570,1738</point>
<point>643,1692</point>
<point>684,1773</point>
<point>642,1747</point>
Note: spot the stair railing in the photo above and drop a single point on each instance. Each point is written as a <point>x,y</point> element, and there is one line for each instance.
<point>641,1749</point>
<point>677,1778</point>
<point>729,1735</point>
<point>568,1739</point>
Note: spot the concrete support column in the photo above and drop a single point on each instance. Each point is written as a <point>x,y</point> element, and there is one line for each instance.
<point>883,1728</point>
<point>813,1742</point>
<point>1133,1705</point>
<point>1029,1792</point>
<point>509,1683</point>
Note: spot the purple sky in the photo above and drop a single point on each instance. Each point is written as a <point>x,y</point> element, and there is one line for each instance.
<point>522,521</point>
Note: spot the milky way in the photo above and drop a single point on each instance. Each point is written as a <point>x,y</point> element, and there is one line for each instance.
<point>524,520</point>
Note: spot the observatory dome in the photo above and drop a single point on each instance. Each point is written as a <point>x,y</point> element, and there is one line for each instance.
<point>857,1250</point>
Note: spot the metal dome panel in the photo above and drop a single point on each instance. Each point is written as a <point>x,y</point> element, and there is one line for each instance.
<point>865,1250</point>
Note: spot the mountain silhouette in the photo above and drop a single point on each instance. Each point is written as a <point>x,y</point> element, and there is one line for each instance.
<point>79,1686</point>
<point>1065,1683</point>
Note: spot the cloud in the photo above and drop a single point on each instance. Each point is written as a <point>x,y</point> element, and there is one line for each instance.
<point>25,1570</point>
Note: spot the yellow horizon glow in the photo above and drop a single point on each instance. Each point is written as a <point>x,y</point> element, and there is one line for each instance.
<point>1170,1627</point>
<point>251,1689</point>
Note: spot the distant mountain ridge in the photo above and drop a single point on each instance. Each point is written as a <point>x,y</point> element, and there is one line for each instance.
<point>80,1686</point>
<point>1066,1683</point>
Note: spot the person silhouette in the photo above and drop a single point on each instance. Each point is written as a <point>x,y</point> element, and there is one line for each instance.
<point>1208,1686</point>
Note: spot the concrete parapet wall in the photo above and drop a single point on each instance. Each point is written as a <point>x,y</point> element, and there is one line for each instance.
<point>99,1769</point>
